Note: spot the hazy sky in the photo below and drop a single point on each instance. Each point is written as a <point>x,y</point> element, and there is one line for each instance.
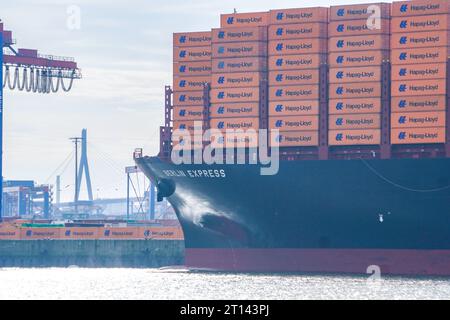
<point>124,49</point>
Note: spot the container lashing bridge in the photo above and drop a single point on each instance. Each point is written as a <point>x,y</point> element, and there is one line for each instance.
<point>29,71</point>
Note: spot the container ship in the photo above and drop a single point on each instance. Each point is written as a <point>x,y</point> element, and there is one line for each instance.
<point>355,98</point>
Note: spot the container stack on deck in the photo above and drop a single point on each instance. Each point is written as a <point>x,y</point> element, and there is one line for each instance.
<point>338,83</point>
<point>419,71</point>
<point>191,71</point>
<point>239,74</point>
<point>297,50</point>
<point>356,85</point>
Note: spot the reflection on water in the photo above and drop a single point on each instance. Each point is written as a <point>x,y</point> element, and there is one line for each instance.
<point>77,283</point>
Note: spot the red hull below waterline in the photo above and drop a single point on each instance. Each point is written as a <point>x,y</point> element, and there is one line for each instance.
<point>389,262</point>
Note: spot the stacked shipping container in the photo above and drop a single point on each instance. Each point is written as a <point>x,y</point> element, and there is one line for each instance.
<point>11,232</point>
<point>419,71</point>
<point>297,49</point>
<point>239,75</point>
<point>191,71</point>
<point>271,69</point>
<point>358,47</point>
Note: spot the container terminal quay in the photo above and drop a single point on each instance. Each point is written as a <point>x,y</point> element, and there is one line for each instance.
<point>37,229</point>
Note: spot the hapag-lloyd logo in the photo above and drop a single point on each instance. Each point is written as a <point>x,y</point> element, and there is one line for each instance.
<point>184,39</point>
<point>293,16</point>
<point>418,136</point>
<point>238,20</point>
<point>422,8</point>
<point>235,142</point>
<point>354,137</point>
<point>235,79</point>
<point>373,21</point>
<point>341,106</point>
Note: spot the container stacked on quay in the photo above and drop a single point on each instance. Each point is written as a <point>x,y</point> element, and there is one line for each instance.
<point>191,71</point>
<point>297,51</point>
<point>239,76</point>
<point>420,50</point>
<point>356,85</point>
<point>38,231</point>
<point>363,178</point>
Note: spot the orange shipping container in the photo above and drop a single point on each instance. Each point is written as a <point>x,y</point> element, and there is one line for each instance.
<point>297,123</point>
<point>360,11</point>
<point>354,121</point>
<point>236,80</point>
<point>358,58</point>
<point>187,143</point>
<point>359,43</point>
<point>294,139</point>
<point>359,74</point>
<point>355,90</point>
<point>250,19</point>
<point>298,31</point>
<point>358,27</point>
<point>161,233</point>
<point>295,62</point>
<point>190,83</point>
<point>252,64</point>
<point>233,110</point>
<point>201,68</point>
<point>235,123</point>
<point>80,233</point>
<point>188,98</point>
<point>236,140</point>
<point>419,71</point>
<point>418,119</point>
<point>294,108</point>
<point>418,135</point>
<point>355,106</point>
<point>419,55</point>
<point>294,77</point>
<point>354,137</point>
<point>420,23</point>
<point>187,113</point>
<point>239,35</point>
<point>119,233</point>
<point>40,233</point>
<point>298,46</point>
<point>239,49</point>
<point>420,39</point>
<point>299,15</point>
<point>9,233</point>
<point>419,88</point>
<point>420,103</point>
<point>194,127</point>
<point>289,93</point>
<point>235,95</point>
<point>419,7</point>
<point>184,54</point>
<point>192,39</point>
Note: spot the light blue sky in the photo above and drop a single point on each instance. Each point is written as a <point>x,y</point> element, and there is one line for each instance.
<point>125,51</point>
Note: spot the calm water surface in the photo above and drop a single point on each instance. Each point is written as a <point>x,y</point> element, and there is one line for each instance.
<point>78,283</point>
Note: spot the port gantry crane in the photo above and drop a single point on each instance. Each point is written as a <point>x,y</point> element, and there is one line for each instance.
<point>27,70</point>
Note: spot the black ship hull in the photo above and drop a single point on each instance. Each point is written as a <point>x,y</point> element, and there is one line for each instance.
<point>343,216</point>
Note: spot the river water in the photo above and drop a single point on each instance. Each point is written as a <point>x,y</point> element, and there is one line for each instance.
<point>79,283</point>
